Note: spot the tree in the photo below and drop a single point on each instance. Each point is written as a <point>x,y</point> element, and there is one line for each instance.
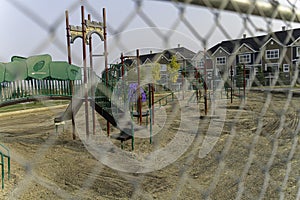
<point>173,68</point>
<point>155,71</point>
<point>239,75</point>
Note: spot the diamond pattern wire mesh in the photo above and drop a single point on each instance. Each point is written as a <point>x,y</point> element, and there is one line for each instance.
<point>262,163</point>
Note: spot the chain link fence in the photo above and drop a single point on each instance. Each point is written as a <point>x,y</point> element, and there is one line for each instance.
<point>245,149</point>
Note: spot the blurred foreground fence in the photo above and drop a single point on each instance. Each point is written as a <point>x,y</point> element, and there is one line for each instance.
<point>222,29</point>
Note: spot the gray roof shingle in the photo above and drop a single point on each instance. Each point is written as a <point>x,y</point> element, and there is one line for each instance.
<point>285,37</point>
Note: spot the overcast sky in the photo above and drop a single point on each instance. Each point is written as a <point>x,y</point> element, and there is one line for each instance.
<point>31,27</point>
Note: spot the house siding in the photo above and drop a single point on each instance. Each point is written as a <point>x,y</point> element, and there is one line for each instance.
<point>280,63</point>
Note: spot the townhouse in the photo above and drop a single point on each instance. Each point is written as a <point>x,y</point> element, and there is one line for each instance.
<point>183,56</point>
<point>266,59</point>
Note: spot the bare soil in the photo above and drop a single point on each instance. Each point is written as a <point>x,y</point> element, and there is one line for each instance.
<point>255,157</point>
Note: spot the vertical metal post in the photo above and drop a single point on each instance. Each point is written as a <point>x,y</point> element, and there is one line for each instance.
<point>182,80</point>
<point>70,62</point>
<point>92,80</point>
<point>85,72</point>
<point>204,84</point>
<point>8,166</point>
<point>132,129</point>
<point>152,101</point>
<point>205,70</point>
<point>205,98</point>
<point>122,62</point>
<point>231,78</point>
<point>105,61</point>
<point>2,170</point>
<point>123,84</point>
<point>150,114</point>
<point>138,88</point>
<point>244,75</point>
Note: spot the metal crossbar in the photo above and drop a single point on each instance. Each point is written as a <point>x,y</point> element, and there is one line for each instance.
<point>271,9</point>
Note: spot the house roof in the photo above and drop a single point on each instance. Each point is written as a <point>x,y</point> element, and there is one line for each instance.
<point>186,53</point>
<point>285,37</point>
<point>168,53</point>
<point>201,53</point>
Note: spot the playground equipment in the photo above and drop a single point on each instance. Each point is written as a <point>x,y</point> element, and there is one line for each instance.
<point>85,32</point>
<point>28,79</point>
<point>4,153</point>
<point>35,77</point>
<point>101,94</point>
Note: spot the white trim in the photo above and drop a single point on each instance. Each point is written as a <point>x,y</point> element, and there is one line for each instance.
<point>160,57</point>
<point>177,53</point>
<point>283,68</point>
<point>147,61</point>
<point>266,54</point>
<point>219,48</point>
<point>225,59</point>
<point>295,42</point>
<point>269,41</point>
<point>297,54</point>
<point>247,60</point>
<point>272,65</point>
<point>196,55</point>
<point>244,44</point>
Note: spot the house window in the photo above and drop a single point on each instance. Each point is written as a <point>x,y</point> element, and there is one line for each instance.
<point>271,68</point>
<point>255,70</point>
<point>200,64</point>
<point>221,60</point>
<point>286,68</point>
<point>272,54</point>
<point>163,68</point>
<point>244,58</point>
<point>298,51</point>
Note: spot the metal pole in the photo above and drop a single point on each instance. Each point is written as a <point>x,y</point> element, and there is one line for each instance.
<point>122,62</point>
<point>244,76</point>
<point>85,72</point>
<point>2,170</point>
<point>205,98</point>
<point>105,61</point>
<point>152,101</point>
<point>70,62</point>
<point>139,92</point>
<point>231,90</point>
<point>150,111</point>
<point>92,79</point>
<point>182,80</point>
<point>123,84</point>
<point>132,130</point>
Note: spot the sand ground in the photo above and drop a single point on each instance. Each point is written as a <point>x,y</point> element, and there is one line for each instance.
<point>255,156</point>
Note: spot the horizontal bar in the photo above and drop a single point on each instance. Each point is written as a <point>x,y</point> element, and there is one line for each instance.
<point>272,10</point>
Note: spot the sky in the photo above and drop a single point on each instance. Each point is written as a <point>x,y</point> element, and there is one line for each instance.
<point>33,27</point>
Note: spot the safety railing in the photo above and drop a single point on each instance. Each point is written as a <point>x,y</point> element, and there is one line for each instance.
<point>4,155</point>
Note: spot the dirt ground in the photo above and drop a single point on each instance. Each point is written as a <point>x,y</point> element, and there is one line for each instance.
<point>256,156</point>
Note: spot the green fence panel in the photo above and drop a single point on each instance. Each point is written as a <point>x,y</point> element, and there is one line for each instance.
<point>2,72</point>
<point>59,70</point>
<point>16,70</point>
<point>74,72</point>
<point>39,66</point>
